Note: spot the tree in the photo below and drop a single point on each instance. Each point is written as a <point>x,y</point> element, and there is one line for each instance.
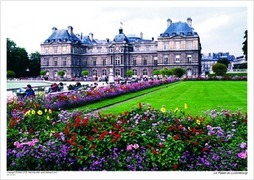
<point>10,74</point>
<point>179,72</point>
<point>245,45</point>
<point>61,73</point>
<point>219,69</point>
<point>224,61</point>
<point>17,59</point>
<point>156,72</point>
<point>84,73</point>
<point>34,64</point>
<point>129,73</point>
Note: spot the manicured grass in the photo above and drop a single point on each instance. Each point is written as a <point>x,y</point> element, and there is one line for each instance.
<point>200,96</point>
<point>112,101</point>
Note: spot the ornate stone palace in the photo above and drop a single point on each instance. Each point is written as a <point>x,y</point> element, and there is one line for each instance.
<point>178,46</point>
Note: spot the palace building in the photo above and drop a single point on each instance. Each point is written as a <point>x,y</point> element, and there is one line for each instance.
<point>178,46</point>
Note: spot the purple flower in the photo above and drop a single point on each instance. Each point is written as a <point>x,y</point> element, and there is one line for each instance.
<point>243,145</point>
<point>242,155</point>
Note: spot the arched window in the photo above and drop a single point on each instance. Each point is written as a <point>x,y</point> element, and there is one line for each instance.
<point>117,72</point>
<point>55,74</point>
<point>94,72</point>
<point>104,72</point>
<point>145,72</point>
<point>135,72</point>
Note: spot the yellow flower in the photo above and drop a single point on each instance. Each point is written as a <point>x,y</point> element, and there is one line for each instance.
<point>176,109</point>
<point>48,118</point>
<point>189,128</point>
<point>50,111</point>
<point>45,110</point>
<point>33,111</point>
<point>198,122</point>
<point>163,109</point>
<point>40,112</point>
<point>185,106</point>
<point>27,113</point>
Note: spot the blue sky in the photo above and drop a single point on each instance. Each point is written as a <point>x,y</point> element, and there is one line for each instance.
<point>220,25</point>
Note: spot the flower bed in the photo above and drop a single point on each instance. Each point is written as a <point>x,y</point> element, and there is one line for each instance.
<point>74,99</point>
<point>144,139</point>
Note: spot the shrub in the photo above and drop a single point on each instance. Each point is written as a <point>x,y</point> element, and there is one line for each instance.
<point>10,74</point>
<point>219,69</point>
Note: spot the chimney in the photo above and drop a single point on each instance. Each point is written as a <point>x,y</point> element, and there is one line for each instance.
<point>70,30</point>
<point>120,31</point>
<point>141,35</point>
<point>91,36</point>
<point>54,29</point>
<point>169,22</point>
<point>189,21</point>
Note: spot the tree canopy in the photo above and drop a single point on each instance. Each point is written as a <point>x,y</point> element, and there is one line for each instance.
<point>245,44</point>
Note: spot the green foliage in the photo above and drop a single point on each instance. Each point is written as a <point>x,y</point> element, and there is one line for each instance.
<point>166,72</point>
<point>129,73</point>
<point>245,45</point>
<point>43,72</point>
<point>61,73</point>
<point>17,59</point>
<point>178,72</point>
<point>84,73</point>
<point>34,64</point>
<point>10,74</point>
<point>219,69</point>
<point>156,72</point>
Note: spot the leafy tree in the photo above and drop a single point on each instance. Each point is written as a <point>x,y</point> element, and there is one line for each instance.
<point>156,72</point>
<point>84,73</point>
<point>17,59</point>
<point>61,73</point>
<point>10,74</point>
<point>245,44</point>
<point>129,73</point>
<point>164,72</point>
<point>224,61</point>
<point>219,69</point>
<point>43,72</point>
<point>179,72</point>
<point>34,64</point>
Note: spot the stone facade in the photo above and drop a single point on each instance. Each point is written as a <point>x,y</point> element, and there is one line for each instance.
<point>178,46</point>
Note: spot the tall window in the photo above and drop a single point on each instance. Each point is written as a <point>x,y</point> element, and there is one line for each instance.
<point>155,61</point>
<point>46,61</point>
<point>55,61</point>
<point>165,46</point>
<point>64,49</point>
<point>177,58</point>
<point>94,62</point>
<point>144,61</point>
<point>104,72</point>
<point>135,72</point>
<point>189,44</point>
<point>117,60</point>
<point>94,72</point>
<point>189,58</point>
<point>165,59</point>
<point>104,62</point>
<point>64,61</point>
<point>145,72</point>
<point>117,72</point>
<point>46,50</point>
<point>134,61</point>
<point>55,49</point>
<point>177,45</point>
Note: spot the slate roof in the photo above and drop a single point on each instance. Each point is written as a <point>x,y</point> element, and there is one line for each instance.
<point>121,37</point>
<point>62,36</point>
<point>179,28</point>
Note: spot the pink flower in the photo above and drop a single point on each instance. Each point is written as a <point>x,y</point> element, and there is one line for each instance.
<point>242,155</point>
<point>129,147</point>
<point>18,145</point>
<point>135,146</point>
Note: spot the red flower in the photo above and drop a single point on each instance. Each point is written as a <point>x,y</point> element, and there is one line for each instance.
<point>194,130</point>
<point>175,166</point>
<point>77,122</point>
<point>176,137</point>
<point>204,149</point>
<point>91,138</point>
<point>154,151</point>
<point>195,143</point>
<point>95,130</point>
<point>85,121</point>
<point>66,131</point>
<point>180,127</point>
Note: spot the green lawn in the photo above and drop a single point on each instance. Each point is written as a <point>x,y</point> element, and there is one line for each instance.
<point>199,96</point>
